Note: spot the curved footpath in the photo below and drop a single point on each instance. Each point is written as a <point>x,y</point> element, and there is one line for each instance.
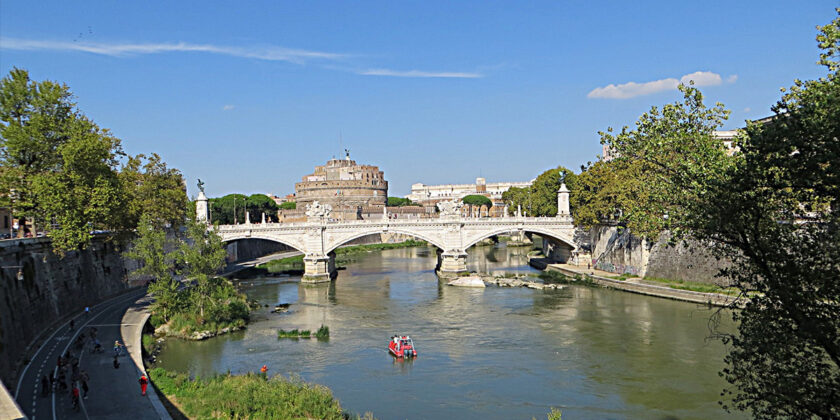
<point>114,393</point>
<point>636,286</point>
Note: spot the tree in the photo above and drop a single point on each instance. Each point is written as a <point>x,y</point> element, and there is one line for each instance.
<point>201,256</point>
<point>35,122</point>
<point>259,204</point>
<point>289,205</point>
<point>672,157</point>
<point>604,190</point>
<point>154,190</point>
<point>222,209</point>
<point>477,201</point>
<point>149,249</point>
<point>771,209</point>
<point>777,218</point>
<point>400,202</point>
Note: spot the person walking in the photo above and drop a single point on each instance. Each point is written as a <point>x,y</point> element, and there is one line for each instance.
<point>143,383</point>
<point>74,394</point>
<point>44,386</point>
<point>264,371</point>
<point>84,378</point>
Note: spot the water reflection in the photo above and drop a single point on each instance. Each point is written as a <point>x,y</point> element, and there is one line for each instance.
<point>483,353</point>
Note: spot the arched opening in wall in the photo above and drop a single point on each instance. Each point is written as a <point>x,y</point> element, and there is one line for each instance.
<point>406,247</point>
<point>248,249</point>
<point>502,251</point>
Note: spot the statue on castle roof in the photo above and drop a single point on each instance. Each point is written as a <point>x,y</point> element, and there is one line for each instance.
<point>450,208</point>
<point>318,211</point>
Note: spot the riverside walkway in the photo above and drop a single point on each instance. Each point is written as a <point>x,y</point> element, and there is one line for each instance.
<point>114,393</point>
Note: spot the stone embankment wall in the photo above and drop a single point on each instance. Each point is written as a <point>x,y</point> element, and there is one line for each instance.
<point>52,289</point>
<point>618,251</point>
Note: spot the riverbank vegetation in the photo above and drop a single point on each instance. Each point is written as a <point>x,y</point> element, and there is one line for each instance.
<point>322,333</point>
<point>249,396</point>
<point>200,307</point>
<point>70,178</point>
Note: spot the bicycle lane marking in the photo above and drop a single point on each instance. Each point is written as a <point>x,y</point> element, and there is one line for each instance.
<point>73,337</point>
<point>46,342</point>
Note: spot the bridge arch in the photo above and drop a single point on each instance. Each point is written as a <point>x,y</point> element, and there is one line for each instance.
<point>291,244</point>
<point>344,239</point>
<point>539,231</point>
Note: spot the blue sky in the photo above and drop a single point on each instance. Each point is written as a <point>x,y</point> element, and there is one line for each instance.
<point>250,96</point>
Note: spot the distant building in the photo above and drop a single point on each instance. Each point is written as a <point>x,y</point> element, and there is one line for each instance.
<point>343,184</point>
<point>430,195</point>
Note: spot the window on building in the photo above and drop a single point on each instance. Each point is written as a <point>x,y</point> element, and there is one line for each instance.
<point>6,222</point>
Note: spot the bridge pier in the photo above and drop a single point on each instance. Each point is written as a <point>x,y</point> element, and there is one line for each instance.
<point>318,268</point>
<point>450,263</point>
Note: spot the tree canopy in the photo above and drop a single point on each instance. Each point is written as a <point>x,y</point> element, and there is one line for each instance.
<point>477,201</point>
<point>62,172</point>
<point>771,207</point>
<point>289,205</point>
<point>222,208</point>
<point>400,202</point>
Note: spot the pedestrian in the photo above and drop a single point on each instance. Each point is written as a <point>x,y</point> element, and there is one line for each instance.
<point>87,311</point>
<point>44,386</point>
<point>84,388</point>
<point>72,324</point>
<point>264,371</point>
<point>143,383</point>
<point>74,394</point>
<point>62,379</point>
<point>117,347</point>
<point>116,363</point>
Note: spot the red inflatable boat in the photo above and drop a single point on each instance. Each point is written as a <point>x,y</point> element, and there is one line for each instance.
<point>402,346</point>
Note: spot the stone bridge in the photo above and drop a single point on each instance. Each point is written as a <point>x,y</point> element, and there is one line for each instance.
<point>450,233</point>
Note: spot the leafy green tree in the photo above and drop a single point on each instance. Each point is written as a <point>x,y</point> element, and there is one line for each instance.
<point>289,205</point>
<point>259,204</point>
<point>674,157</point>
<point>222,209</point>
<point>201,256</point>
<point>475,200</point>
<point>604,190</point>
<point>35,122</point>
<point>514,197</point>
<point>400,202</point>
<point>776,216</point>
<point>149,248</point>
<point>83,193</point>
<point>154,190</point>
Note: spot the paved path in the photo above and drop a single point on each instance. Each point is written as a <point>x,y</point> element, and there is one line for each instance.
<point>114,393</point>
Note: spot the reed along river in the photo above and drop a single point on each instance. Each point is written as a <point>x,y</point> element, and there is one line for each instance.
<point>494,353</point>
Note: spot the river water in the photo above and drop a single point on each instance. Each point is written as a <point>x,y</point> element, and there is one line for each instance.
<point>494,353</point>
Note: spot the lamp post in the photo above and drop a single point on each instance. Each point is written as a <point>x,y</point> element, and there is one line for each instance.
<point>234,209</point>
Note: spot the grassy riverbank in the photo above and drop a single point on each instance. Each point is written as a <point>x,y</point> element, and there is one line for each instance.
<point>248,396</point>
<point>342,255</point>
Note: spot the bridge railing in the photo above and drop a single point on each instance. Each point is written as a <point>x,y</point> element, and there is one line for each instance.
<point>404,222</point>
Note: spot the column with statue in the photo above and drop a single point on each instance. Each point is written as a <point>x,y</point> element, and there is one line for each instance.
<point>202,211</point>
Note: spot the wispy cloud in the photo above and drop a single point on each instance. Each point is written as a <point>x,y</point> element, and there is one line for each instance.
<point>702,78</point>
<point>270,53</point>
<point>732,78</point>
<point>418,73</point>
<point>633,89</point>
<point>227,107</point>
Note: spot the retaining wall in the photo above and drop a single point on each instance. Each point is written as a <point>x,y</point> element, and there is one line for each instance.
<point>52,289</point>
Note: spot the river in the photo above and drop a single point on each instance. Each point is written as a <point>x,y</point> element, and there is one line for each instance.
<point>494,353</point>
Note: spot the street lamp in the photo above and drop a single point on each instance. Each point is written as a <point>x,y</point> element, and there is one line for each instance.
<point>234,209</point>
